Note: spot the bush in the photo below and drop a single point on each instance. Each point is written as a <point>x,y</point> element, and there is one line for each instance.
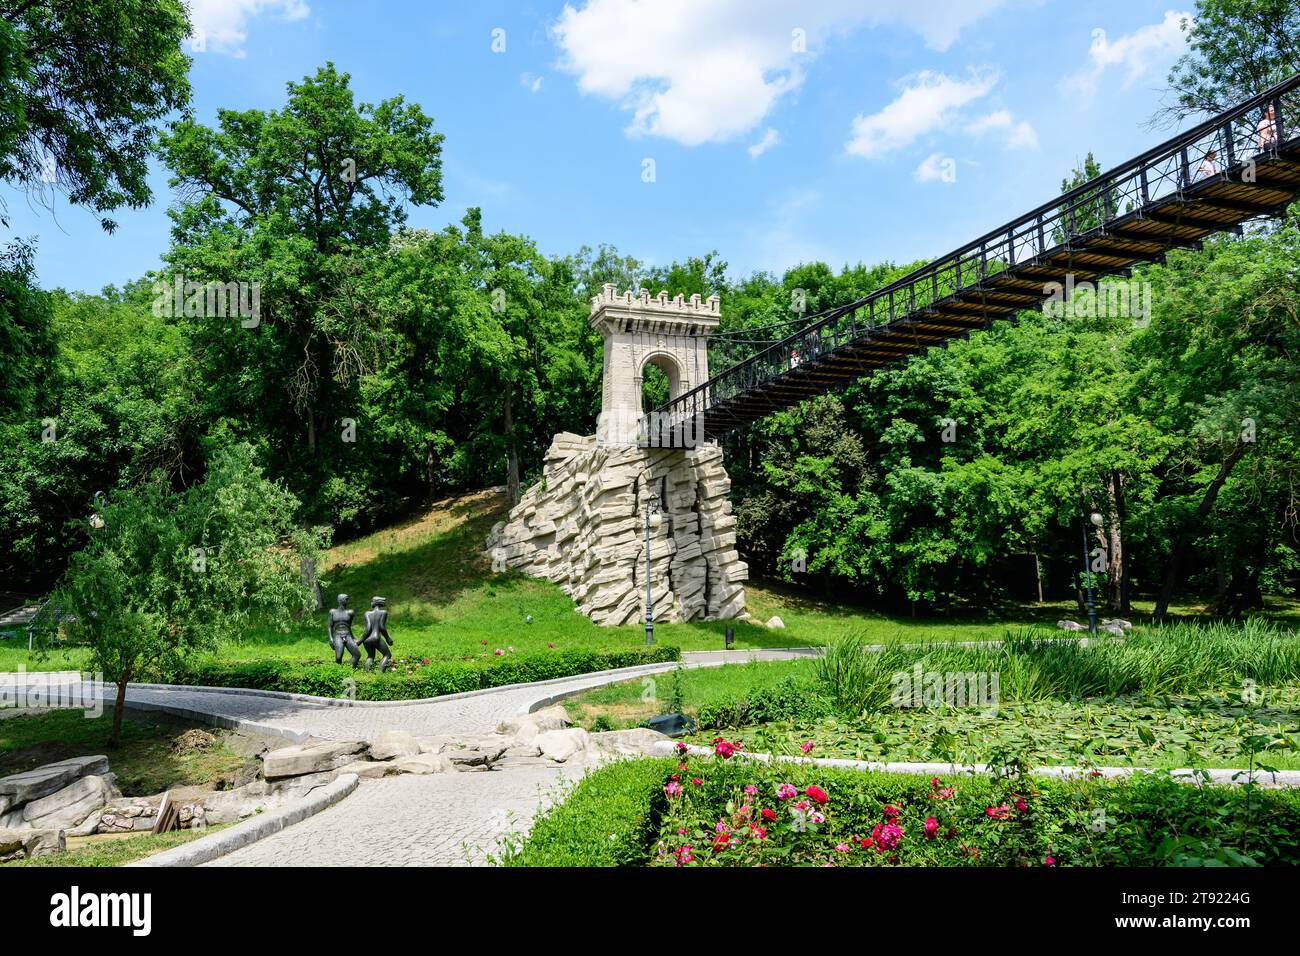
<point>326,679</point>
<point>1149,820</point>
<point>787,699</point>
<point>608,819</point>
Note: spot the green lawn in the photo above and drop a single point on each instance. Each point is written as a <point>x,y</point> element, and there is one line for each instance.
<point>151,759</point>
<point>113,850</point>
<point>446,604</point>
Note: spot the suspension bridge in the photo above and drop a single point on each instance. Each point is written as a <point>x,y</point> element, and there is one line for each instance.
<point>1212,178</point>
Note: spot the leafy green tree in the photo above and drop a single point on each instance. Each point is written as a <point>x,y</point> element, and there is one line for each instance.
<point>292,200</point>
<point>1236,49</point>
<point>82,83</point>
<point>171,573</point>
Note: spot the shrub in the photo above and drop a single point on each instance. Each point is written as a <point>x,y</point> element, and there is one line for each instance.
<point>608,819</point>
<point>325,679</point>
<point>744,813</point>
<point>787,699</point>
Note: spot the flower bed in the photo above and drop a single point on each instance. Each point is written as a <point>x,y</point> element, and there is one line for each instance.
<point>724,812</point>
<point>416,679</point>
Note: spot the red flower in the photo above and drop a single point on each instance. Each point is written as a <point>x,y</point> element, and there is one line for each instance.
<point>817,793</point>
<point>769,815</point>
<point>891,811</point>
<point>720,842</point>
<point>1049,861</point>
<point>697,782</point>
<point>1021,805</point>
<point>931,828</point>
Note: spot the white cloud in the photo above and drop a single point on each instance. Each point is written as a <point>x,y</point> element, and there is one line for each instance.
<point>1015,135</point>
<point>220,26</point>
<point>699,71</point>
<point>1138,53</point>
<point>936,168</point>
<point>770,138</point>
<point>929,102</point>
<point>531,82</point>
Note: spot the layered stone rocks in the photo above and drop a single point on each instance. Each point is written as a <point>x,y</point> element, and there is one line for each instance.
<point>57,797</point>
<point>583,527</point>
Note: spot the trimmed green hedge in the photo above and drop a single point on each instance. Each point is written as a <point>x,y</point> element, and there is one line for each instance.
<point>619,814</point>
<point>609,819</point>
<point>327,679</point>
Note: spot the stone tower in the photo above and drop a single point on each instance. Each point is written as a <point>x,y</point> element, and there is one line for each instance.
<point>640,331</point>
<point>583,525</point>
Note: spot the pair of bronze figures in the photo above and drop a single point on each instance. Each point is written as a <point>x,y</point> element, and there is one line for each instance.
<point>374,639</point>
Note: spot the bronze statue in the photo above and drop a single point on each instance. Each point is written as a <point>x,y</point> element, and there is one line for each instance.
<point>340,633</point>
<point>376,636</point>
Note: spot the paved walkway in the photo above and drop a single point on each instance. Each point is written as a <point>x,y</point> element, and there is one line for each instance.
<point>441,819</point>
<point>438,819</point>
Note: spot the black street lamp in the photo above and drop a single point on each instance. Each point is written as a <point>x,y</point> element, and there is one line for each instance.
<point>652,520</point>
<point>1097,521</point>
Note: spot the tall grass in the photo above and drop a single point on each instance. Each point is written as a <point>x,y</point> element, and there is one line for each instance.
<point>1183,658</point>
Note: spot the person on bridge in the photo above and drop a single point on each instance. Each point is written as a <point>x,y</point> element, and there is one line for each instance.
<point>1266,131</point>
<point>1209,167</point>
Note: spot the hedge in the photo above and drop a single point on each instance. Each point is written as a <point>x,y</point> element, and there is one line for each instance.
<point>618,815</point>
<point>609,819</point>
<point>327,679</point>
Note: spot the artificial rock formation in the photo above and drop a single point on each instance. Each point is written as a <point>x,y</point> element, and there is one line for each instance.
<point>583,525</point>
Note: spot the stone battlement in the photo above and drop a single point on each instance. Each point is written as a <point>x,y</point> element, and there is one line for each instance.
<point>610,299</point>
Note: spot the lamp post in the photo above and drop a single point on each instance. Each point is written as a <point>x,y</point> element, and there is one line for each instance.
<point>652,520</point>
<point>1097,521</point>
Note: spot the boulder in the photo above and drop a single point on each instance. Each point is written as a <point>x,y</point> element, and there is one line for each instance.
<point>554,717</point>
<point>392,744</point>
<point>424,763</point>
<point>66,808</point>
<point>311,757</point>
<point>1117,622</point>
<point>478,753</point>
<point>435,743</point>
<point>28,843</point>
<point>1071,626</point>
<point>775,621</point>
<point>561,745</point>
<point>19,788</point>
<point>639,740</point>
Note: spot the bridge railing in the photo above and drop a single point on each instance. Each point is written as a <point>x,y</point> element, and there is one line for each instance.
<point>1213,150</point>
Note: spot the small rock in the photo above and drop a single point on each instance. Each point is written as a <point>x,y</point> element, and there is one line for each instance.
<point>424,763</point>
<point>775,621</point>
<point>392,744</point>
<point>561,745</point>
<point>1117,622</point>
<point>370,769</point>
<point>28,843</point>
<point>1071,626</point>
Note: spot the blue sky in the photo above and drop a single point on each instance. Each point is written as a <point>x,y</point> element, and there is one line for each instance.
<point>842,130</point>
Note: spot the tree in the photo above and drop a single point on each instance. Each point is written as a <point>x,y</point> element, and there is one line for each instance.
<point>171,572</point>
<point>292,200</point>
<point>82,83</point>
<point>1236,49</point>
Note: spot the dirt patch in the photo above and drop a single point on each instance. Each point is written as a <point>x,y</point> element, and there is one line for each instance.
<point>193,739</point>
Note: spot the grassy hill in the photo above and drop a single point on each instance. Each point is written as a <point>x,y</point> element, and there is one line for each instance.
<point>445,603</point>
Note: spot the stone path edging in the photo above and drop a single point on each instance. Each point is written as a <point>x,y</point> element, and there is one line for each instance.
<point>206,849</point>
<point>1282,778</point>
